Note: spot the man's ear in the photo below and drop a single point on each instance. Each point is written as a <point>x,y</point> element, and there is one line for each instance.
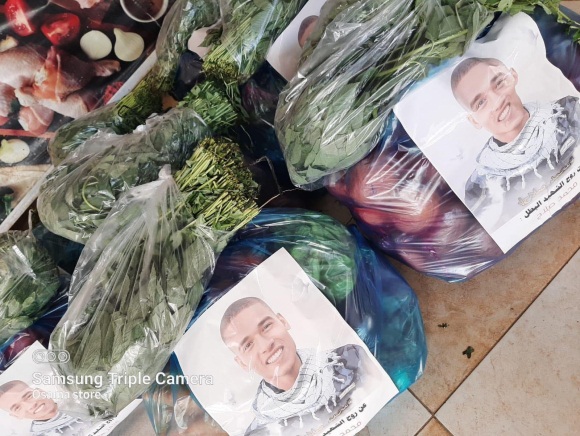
<point>283,321</point>
<point>514,73</point>
<point>474,122</point>
<point>242,364</point>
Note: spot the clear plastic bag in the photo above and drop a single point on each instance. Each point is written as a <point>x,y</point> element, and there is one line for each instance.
<point>183,18</point>
<point>410,212</point>
<point>249,29</point>
<point>173,410</point>
<point>29,280</point>
<point>333,111</point>
<point>79,194</point>
<point>39,331</point>
<point>363,57</point>
<point>132,294</point>
<point>365,289</point>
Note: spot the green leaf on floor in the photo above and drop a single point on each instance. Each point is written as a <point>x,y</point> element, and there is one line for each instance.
<point>468,351</point>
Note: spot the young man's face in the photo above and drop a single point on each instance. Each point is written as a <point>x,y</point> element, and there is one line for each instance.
<point>260,340</point>
<point>19,401</point>
<point>304,37</point>
<point>488,93</point>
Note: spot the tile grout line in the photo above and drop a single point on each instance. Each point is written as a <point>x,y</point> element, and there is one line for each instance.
<point>501,337</point>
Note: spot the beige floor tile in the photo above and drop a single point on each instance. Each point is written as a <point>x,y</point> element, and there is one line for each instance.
<point>481,310</point>
<point>529,384</point>
<point>403,416</point>
<point>434,428</point>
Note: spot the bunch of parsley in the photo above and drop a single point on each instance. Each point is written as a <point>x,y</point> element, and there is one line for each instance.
<point>141,276</point>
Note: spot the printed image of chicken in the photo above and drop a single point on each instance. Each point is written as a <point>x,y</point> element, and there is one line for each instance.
<point>45,81</point>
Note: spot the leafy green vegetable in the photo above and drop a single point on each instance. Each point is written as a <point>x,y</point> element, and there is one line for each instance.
<point>140,278</point>
<point>213,102</point>
<point>249,29</point>
<point>146,98</point>
<point>331,114</point>
<point>468,352</point>
<point>78,195</point>
<point>28,282</point>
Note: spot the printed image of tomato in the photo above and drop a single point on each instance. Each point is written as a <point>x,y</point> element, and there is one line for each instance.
<point>61,29</point>
<point>17,12</point>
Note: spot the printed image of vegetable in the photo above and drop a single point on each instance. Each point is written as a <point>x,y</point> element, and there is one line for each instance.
<point>128,45</point>
<point>19,15</point>
<point>332,114</point>
<point>78,195</point>
<point>146,98</point>
<point>28,281</point>
<point>61,29</point>
<point>142,274</point>
<point>96,44</point>
<point>13,151</point>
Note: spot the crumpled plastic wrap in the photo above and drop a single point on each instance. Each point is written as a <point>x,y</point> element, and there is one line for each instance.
<point>332,113</point>
<point>29,280</point>
<point>366,290</point>
<point>79,194</point>
<point>249,27</point>
<point>40,330</point>
<point>132,295</point>
<point>408,210</point>
<point>123,116</point>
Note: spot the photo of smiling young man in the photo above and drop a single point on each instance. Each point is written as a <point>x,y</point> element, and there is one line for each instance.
<point>300,388</point>
<point>23,402</point>
<point>529,142</point>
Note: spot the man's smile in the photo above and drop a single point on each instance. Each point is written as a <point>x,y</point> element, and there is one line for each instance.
<point>504,113</point>
<point>38,409</point>
<point>274,356</point>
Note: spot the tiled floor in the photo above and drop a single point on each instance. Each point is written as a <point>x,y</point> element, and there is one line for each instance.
<point>522,317</point>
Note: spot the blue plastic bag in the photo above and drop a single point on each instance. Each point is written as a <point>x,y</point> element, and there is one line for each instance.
<point>366,290</point>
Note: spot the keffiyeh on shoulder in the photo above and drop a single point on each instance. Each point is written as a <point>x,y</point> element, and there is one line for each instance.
<point>538,142</point>
<point>314,389</point>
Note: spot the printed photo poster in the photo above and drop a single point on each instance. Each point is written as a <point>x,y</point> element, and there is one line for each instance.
<point>32,398</point>
<point>60,60</point>
<point>284,54</point>
<point>502,125</point>
<point>282,359</point>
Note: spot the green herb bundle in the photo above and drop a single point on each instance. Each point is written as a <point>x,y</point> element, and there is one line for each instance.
<point>141,276</point>
<point>28,282</point>
<point>249,29</point>
<point>332,113</point>
<point>78,195</point>
<point>146,98</point>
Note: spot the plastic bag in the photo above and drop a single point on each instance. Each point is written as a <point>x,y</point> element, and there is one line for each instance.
<point>132,294</point>
<point>366,290</point>
<point>29,280</point>
<point>40,331</point>
<point>173,410</point>
<point>409,211</point>
<point>184,17</point>
<point>333,112</point>
<point>249,29</point>
<point>79,194</point>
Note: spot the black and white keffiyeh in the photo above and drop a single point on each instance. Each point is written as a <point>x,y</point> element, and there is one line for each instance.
<point>58,425</point>
<point>536,143</point>
<point>314,389</point>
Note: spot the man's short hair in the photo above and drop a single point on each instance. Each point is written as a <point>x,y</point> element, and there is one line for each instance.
<point>9,385</point>
<point>465,67</point>
<point>304,25</point>
<point>236,307</point>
